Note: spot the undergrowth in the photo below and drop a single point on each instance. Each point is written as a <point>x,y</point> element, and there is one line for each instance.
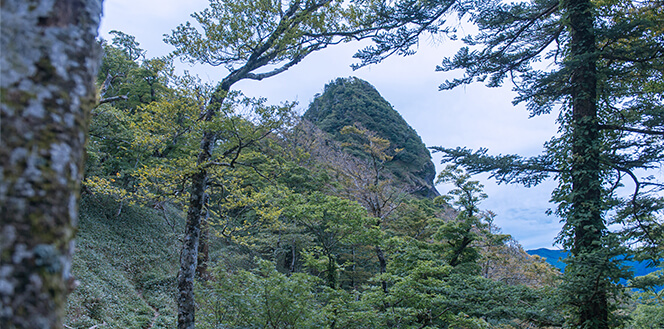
<point>126,266</point>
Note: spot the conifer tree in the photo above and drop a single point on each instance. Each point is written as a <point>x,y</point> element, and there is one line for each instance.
<point>605,63</point>
<point>589,159</point>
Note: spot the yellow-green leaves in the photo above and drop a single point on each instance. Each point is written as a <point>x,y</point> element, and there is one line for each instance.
<point>106,186</point>
<point>373,145</point>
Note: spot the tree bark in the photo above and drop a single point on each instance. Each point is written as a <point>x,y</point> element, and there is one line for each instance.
<point>48,64</point>
<point>331,271</point>
<point>262,55</point>
<point>586,209</point>
<point>382,267</point>
<point>204,245</point>
<point>189,252</point>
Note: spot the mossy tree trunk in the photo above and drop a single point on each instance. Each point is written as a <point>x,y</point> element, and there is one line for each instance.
<point>48,64</point>
<point>585,216</point>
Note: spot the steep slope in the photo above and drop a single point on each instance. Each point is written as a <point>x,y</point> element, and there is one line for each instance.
<point>347,101</point>
<point>126,264</point>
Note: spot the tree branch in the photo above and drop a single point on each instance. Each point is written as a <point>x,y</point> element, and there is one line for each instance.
<point>261,76</point>
<point>113,99</point>
<point>630,129</point>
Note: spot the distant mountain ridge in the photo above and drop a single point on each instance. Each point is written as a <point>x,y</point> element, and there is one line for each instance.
<point>349,101</point>
<point>555,257</point>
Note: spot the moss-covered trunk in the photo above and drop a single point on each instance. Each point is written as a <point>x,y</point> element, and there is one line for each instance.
<point>48,64</point>
<point>585,216</point>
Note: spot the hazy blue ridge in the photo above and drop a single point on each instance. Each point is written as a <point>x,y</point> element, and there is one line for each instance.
<point>555,258</point>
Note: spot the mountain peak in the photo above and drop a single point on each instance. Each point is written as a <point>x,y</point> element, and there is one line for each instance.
<point>351,101</point>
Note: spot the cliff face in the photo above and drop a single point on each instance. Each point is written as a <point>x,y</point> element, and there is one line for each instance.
<point>347,101</point>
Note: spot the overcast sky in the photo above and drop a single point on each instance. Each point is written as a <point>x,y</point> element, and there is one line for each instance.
<point>473,116</point>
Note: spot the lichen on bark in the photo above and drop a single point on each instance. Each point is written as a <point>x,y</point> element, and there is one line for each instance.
<point>48,64</point>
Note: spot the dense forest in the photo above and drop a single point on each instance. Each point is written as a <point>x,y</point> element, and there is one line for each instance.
<point>307,229</point>
<point>201,207</point>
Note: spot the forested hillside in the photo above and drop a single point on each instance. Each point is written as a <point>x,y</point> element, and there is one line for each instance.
<point>313,222</point>
<point>167,201</point>
<point>556,259</point>
<point>352,101</point>
<point>312,227</point>
<point>125,265</point>
<point>314,231</point>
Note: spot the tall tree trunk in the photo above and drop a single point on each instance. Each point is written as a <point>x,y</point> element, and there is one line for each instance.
<point>586,209</point>
<point>353,281</point>
<point>291,269</point>
<point>382,266</point>
<point>458,250</point>
<point>48,64</point>
<point>331,271</point>
<point>204,245</point>
<point>189,253</point>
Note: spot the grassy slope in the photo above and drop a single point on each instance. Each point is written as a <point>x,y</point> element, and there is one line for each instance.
<point>126,265</point>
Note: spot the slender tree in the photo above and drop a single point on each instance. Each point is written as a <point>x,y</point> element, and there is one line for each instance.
<point>367,181</point>
<point>48,63</point>
<point>461,233</point>
<point>252,40</point>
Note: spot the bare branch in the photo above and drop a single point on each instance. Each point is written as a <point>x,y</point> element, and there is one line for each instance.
<point>113,99</point>
<point>261,76</point>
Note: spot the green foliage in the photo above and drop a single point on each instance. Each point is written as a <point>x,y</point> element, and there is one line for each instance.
<point>335,225</point>
<point>119,289</point>
<point>125,72</point>
<point>291,251</point>
<point>244,36</point>
<point>368,144</point>
<point>110,140</point>
<point>603,67</point>
<point>649,310</point>
<point>147,153</point>
<point>351,101</point>
<point>263,298</point>
<point>234,30</point>
<point>628,99</point>
<point>648,315</point>
<point>650,282</point>
<point>404,21</point>
<point>347,309</point>
<point>427,292</point>
<point>411,219</point>
<point>334,239</point>
<point>133,136</point>
<point>461,233</point>
<point>591,277</point>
